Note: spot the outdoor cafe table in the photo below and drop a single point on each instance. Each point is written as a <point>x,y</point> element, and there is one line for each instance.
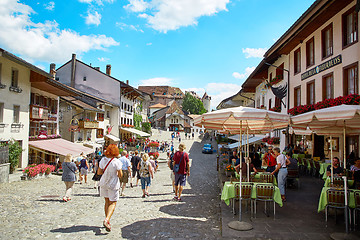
<point>257,176</point>
<point>323,199</point>
<point>323,168</point>
<point>328,181</point>
<point>228,192</point>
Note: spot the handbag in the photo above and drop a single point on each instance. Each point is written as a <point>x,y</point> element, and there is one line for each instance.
<point>97,176</point>
<point>177,166</point>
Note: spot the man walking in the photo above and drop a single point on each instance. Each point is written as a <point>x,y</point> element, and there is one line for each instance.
<point>135,172</point>
<point>181,170</point>
<point>125,162</point>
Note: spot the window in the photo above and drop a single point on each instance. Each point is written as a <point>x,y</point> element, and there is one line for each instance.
<point>350,27</point>
<point>100,116</point>
<point>0,72</point>
<point>99,133</point>
<point>351,79</point>
<point>280,72</point>
<point>310,92</point>
<point>327,41</point>
<point>16,118</point>
<point>297,61</point>
<point>310,56</point>
<point>14,78</point>
<point>107,114</point>
<point>297,96</point>
<point>1,112</point>
<point>328,86</point>
<point>269,104</point>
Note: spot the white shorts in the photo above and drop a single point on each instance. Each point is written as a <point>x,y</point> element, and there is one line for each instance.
<point>113,195</point>
<point>172,176</point>
<point>83,171</point>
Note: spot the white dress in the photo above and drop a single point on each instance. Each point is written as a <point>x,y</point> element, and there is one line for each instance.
<point>110,179</point>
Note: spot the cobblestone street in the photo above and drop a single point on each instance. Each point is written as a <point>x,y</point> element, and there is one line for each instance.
<point>34,209</point>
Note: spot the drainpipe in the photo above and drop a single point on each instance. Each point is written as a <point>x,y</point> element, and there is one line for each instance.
<point>73,70</point>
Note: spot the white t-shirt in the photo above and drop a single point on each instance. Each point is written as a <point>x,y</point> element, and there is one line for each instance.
<point>110,178</point>
<point>125,163</point>
<point>281,159</point>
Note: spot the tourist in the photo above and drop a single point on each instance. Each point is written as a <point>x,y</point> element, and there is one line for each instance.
<point>84,166</point>
<point>135,172</point>
<point>181,170</point>
<point>126,171</point>
<point>146,171</point>
<point>153,163</point>
<point>244,168</point>
<point>96,177</point>
<point>337,170</point>
<point>281,168</point>
<point>68,176</point>
<point>171,166</point>
<point>110,169</point>
<point>78,161</point>
<point>193,134</point>
<point>270,160</point>
<point>356,167</point>
<point>233,157</point>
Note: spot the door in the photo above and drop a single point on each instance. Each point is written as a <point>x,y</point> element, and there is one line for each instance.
<point>319,146</point>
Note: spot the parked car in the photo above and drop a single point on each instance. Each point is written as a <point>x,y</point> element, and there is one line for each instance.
<point>207,148</point>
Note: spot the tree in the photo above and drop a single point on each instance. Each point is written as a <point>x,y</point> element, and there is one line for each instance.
<point>193,105</point>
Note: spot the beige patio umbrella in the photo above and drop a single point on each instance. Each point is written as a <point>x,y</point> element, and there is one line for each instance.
<point>236,121</point>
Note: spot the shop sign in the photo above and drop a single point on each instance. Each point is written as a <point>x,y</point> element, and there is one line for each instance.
<point>322,67</point>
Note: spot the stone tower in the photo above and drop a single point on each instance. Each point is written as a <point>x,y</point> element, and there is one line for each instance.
<point>206,100</point>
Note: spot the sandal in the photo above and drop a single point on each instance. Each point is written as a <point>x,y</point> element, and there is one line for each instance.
<point>176,198</point>
<point>107,225</point>
<point>68,199</point>
<point>64,199</point>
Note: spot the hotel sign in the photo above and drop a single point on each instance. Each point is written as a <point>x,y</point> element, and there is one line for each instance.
<point>322,67</point>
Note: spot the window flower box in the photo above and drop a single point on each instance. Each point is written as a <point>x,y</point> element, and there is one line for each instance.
<point>15,89</point>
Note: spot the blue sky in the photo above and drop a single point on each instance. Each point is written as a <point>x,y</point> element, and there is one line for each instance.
<point>202,45</point>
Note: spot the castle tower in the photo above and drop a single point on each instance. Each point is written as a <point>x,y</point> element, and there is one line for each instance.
<point>206,100</point>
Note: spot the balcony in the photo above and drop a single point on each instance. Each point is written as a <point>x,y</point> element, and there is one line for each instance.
<point>88,124</point>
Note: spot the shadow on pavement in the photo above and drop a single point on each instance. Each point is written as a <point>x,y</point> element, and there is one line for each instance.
<point>190,229</point>
<point>87,194</point>
<point>79,228</point>
<point>49,200</point>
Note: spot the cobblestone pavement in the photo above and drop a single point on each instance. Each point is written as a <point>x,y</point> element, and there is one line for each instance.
<point>34,209</point>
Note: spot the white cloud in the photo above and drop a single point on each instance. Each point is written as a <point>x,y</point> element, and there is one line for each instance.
<point>137,6</point>
<point>93,18</point>
<point>124,26</point>
<point>247,72</point>
<point>149,44</point>
<point>98,2</point>
<point>166,15</point>
<point>254,52</point>
<point>43,41</point>
<point>50,6</point>
<point>102,59</point>
<point>161,81</point>
<point>199,91</point>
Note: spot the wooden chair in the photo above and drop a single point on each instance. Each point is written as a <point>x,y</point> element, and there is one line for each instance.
<point>357,206</point>
<point>293,174</point>
<point>336,200</point>
<point>317,168</point>
<point>264,193</point>
<point>267,178</point>
<point>245,194</point>
<point>337,183</point>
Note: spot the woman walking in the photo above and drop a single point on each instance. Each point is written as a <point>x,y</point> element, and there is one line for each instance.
<point>110,169</point>
<point>68,176</point>
<point>146,171</point>
<point>84,166</point>
<point>281,167</point>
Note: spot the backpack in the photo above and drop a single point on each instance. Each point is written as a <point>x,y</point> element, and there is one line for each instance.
<point>171,161</point>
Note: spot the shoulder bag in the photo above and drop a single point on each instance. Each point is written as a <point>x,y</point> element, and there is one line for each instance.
<point>177,166</point>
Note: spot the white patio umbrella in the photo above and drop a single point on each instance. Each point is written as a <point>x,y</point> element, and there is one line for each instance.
<point>236,121</point>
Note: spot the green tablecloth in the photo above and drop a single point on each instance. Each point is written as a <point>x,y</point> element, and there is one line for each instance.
<point>323,167</point>
<point>229,193</point>
<point>328,181</point>
<point>323,199</point>
<point>257,176</point>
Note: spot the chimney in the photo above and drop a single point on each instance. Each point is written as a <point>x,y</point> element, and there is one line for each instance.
<point>127,82</point>
<point>73,68</point>
<point>108,69</point>
<point>52,69</point>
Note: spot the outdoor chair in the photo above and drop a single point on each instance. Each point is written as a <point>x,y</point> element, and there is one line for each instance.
<point>293,174</point>
<point>336,200</point>
<point>264,193</point>
<point>338,182</point>
<point>317,168</point>
<point>357,206</point>
<point>245,194</point>
<point>313,169</point>
<point>267,178</point>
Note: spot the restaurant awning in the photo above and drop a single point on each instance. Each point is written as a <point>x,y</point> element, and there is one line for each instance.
<point>135,131</point>
<point>60,146</point>
<point>112,137</point>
